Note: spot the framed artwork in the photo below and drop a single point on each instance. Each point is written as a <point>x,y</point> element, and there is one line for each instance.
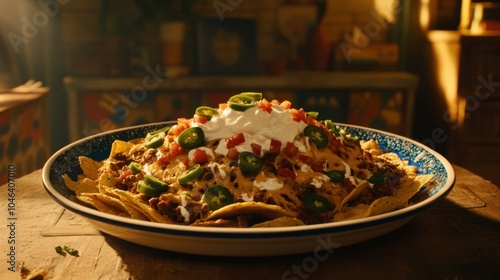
<point>226,47</point>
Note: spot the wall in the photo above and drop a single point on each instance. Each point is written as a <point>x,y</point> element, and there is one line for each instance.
<point>84,42</point>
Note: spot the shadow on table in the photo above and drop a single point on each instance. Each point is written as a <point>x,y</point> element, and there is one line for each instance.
<point>444,242</point>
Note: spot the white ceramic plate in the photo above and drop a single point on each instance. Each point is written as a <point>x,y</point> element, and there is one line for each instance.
<point>248,241</point>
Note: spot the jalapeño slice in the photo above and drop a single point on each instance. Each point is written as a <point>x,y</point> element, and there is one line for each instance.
<point>241,102</point>
<point>312,114</point>
<point>217,197</point>
<point>163,129</point>
<point>316,203</point>
<point>148,190</point>
<point>317,136</point>
<point>155,182</point>
<point>191,138</point>
<point>332,127</point>
<point>135,167</point>
<point>254,95</point>
<point>207,112</point>
<point>190,174</point>
<point>335,176</point>
<point>377,179</point>
<point>154,140</point>
<point>249,162</point>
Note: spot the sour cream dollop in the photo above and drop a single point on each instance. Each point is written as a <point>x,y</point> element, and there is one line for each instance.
<point>258,127</point>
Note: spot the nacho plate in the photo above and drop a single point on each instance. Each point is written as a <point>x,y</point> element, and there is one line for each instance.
<point>258,241</point>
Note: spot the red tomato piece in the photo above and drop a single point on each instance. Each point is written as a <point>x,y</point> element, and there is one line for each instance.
<point>163,160</point>
<point>287,173</point>
<point>306,159</point>
<point>200,119</point>
<point>290,149</point>
<point>265,105</point>
<point>275,146</point>
<point>286,104</point>
<point>222,106</point>
<point>233,154</point>
<point>236,140</point>
<point>126,173</point>
<point>256,149</point>
<point>176,149</point>
<point>298,115</point>
<point>348,185</point>
<point>317,166</point>
<point>334,144</point>
<point>200,156</point>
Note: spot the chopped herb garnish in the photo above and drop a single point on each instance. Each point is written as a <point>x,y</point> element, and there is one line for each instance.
<point>71,251</point>
<point>59,250</point>
<point>63,250</point>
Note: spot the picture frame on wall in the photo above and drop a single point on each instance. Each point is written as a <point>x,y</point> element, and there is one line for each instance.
<point>226,48</point>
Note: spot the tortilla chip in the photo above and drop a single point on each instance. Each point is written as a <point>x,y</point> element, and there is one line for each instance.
<point>384,205</point>
<point>106,180</point>
<point>409,187</point>
<point>135,202</point>
<point>120,146</point>
<point>118,204</point>
<point>381,205</point>
<point>83,185</point>
<point>371,146</point>
<point>361,188</point>
<point>281,222</point>
<point>349,213</point>
<point>393,158</point>
<point>90,167</point>
<point>215,223</point>
<point>251,207</point>
<point>99,205</point>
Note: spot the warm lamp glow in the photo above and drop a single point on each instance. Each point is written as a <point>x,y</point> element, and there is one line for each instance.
<point>424,18</point>
<point>445,55</point>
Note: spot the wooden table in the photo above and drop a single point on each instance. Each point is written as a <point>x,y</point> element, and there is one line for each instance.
<point>459,238</point>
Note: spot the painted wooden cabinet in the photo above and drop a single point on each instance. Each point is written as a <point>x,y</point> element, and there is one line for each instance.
<point>478,139</point>
<point>24,133</point>
<point>382,100</point>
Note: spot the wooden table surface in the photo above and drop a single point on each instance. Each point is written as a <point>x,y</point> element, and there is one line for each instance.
<point>459,238</point>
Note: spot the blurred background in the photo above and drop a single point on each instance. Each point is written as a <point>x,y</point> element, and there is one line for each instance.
<point>425,69</point>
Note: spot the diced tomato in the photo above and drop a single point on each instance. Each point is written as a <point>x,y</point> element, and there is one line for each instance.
<point>200,119</point>
<point>175,149</point>
<point>286,104</point>
<point>298,115</point>
<point>233,154</point>
<point>275,102</point>
<point>126,173</point>
<point>235,140</point>
<point>184,164</point>
<point>287,173</point>
<point>275,146</point>
<point>256,148</point>
<point>317,166</point>
<point>306,159</point>
<point>334,144</point>
<point>200,156</point>
<point>290,149</point>
<point>163,160</point>
<point>222,106</point>
<point>265,105</point>
<point>182,124</point>
<point>183,121</point>
<point>348,185</point>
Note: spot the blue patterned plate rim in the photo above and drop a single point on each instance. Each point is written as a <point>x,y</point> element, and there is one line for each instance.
<point>65,160</point>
